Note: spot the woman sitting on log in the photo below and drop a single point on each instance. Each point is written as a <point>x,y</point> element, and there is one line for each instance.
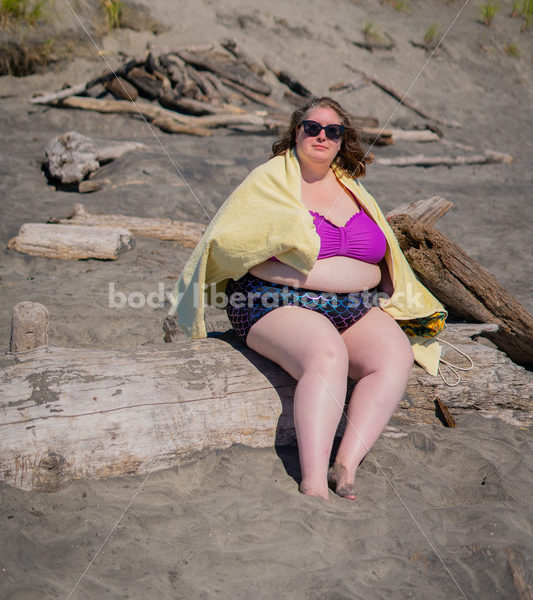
<point>314,280</point>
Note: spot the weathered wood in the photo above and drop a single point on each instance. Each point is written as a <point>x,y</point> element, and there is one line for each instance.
<point>166,119</point>
<point>169,125</point>
<point>145,109</point>
<point>83,87</point>
<point>203,84</point>
<point>231,45</point>
<point>71,156</point>
<point>121,89</point>
<point>174,68</point>
<point>517,566</point>
<point>71,243</point>
<point>149,85</point>
<point>221,120</point>
<point>65,93</point>
<point>68,413</point>
<point>445,412</point>
<point>414,106</point>
<point>249,94</point>
<point>413,135</point>
<point>350,86</point>
<point>229,69</point>
<point>420,160</point>
<point>223,92</point>
<point>466,289</point>
<point>187,233</point>
<point>173,101</point>
<point>426,211</point>
<point>285,77</point>
<point>30,324</point>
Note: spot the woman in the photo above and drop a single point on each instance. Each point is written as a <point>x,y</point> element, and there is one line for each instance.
<point>299,250</point>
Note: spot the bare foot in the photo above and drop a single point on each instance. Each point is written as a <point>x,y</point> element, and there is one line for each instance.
<point>310,491</point>
<point>339,482</point>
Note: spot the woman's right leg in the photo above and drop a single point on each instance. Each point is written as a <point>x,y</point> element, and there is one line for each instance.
<point>310,349</point>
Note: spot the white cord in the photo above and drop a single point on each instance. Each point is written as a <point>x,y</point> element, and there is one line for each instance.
<point>455,368</point>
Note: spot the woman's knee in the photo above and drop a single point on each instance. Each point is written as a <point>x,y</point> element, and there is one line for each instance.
<point>327,355</point>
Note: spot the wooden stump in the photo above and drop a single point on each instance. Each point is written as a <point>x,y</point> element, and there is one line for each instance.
<point>71,157</point>
<point>30,323</point>
<point>72,242</point>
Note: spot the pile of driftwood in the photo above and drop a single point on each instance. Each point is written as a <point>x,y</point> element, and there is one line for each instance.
<point>193,90</point>
<point>187,90</point>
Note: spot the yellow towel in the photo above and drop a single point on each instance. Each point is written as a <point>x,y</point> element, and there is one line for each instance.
<point>265,217</point>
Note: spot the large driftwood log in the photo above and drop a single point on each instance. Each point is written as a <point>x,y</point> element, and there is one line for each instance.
<point>188,233</point>
<point>72,243</point>
<point>69,413</point>
<point>145,109</point>
<point>420,160</point>
<point>169,120</point>
<point>426,211</point>
<point>72,156</point>
<point>466,289</point>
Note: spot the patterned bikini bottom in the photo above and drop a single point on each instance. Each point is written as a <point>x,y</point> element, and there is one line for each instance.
<point>250,298</point>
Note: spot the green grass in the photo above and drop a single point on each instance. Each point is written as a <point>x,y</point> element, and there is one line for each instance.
<point>512,50</point>
<point>399,5</point>
<point>113,10</point>
<point>488,12</point>
<point>432,34</point>
<point>524,9</point>
<point>24,12</point>
<point>371,32</point>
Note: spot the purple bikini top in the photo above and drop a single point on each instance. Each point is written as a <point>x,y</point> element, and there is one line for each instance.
<point>359,238</point>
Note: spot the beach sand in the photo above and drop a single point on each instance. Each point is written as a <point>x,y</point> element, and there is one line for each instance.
<point>437,508</point>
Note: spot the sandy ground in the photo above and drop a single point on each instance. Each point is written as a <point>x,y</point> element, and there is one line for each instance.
<point>437,508</point>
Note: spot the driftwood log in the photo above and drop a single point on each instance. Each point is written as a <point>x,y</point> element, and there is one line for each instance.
<point>426,211</point>
<point>169,120</point>
<point>350,86</point>
<point>72,243</point>
<point>414,106</point>
<point>229,69</point>
<point>285,77</point>
<point>122,89</point>
<point>72,156</point>
<point>231,45</point>
<point>188,233</point>
<point>518,567</point>
<point>69,413</point>
<point>467,290</point>
<point>420,160</point>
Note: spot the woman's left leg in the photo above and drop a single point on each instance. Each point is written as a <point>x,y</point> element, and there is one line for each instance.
<point>380,360</point>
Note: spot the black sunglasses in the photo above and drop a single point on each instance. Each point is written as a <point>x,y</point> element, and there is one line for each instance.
<point>333,132</point>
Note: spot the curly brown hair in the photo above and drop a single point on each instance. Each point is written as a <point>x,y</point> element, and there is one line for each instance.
<point>351,156</point>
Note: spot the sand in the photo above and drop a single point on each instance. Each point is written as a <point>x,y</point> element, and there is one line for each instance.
<point>436,508</point>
